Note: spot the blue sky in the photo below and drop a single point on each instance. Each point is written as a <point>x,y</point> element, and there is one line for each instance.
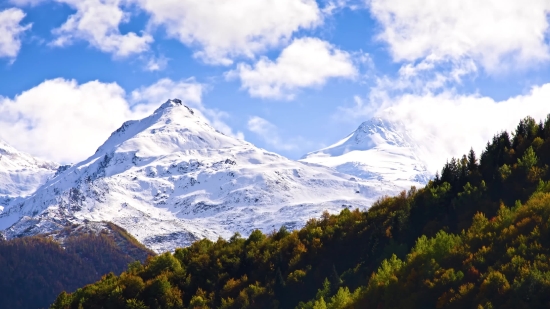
<point>290,76</point>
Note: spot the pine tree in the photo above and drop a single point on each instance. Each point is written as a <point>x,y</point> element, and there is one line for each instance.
<point>472,161</point>
<point>280,286</point>
<point>528,160</point>
<point>463,167</point>
<point>335,281</point>
<point>546,128</point>
<point>320,304</point>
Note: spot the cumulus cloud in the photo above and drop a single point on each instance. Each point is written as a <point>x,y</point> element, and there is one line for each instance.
<point>168,89</point>
<point>427,76</point>
<point>97,22</point>
<point>61,120</point>
<point>64,121</point>
<point>10,32</point>
<point>192,94</point>
<point>440,43</point>
<point>447,124</point>
<point>268,132</point>
<point>494,33</point>
<point>222,30</point>
<point>307,62</point>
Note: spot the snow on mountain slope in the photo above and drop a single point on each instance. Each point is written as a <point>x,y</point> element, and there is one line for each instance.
<point>171,178</point>
<point>378,149</point>
<point>21,174</point>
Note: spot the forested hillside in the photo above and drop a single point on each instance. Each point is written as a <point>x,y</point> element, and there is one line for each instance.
<point>477,236</point>
<point>34,270</point>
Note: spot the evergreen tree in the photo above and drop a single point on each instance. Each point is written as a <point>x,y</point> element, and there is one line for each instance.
<point>320,304</point>
<point>528,160</point>
<point>280,287</point>
<point>463,170</point>
<point>546,128</point>
<point>472,161</point>
<point>335,281</point>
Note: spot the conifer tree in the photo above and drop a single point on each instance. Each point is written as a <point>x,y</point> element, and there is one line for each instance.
<point>335,281</point>
<point>472,161</point>
<point>280,285</point>
<point>546,128</point>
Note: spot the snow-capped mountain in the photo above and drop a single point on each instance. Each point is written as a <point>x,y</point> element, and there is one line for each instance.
<point>21,174</point>
<point>171,178</point>
<point>378,149</point>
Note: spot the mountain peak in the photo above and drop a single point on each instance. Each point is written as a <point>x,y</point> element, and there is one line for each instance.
<point>171,128</point>
<point>6,148</point>
<point>379,149</point>
<point>173,103</point>
<point>378,131</point>
<point>376,123</point>
<point>370,134</point>
<point>20,173</point>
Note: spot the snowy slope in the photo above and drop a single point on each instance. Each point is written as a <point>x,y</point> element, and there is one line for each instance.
<point>21,174</point>
<point>171,178</point>
<point>378,149</point>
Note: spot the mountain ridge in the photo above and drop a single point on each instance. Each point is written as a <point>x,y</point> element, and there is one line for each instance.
<point>171,178</point>
<point>378,149</point>
<point>21,174</point>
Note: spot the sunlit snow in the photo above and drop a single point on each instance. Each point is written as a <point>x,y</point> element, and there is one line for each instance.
<point>171,178</point>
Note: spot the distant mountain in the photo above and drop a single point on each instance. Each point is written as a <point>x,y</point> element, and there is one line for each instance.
<point>21,174</point>
<point>378,150</point>
<point>170,179</point>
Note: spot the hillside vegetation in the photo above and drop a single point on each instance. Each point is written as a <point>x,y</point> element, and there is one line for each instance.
<point>477,236</point>
<point>34,270</point>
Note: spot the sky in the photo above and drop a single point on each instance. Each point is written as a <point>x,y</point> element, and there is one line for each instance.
<point>290,76</point>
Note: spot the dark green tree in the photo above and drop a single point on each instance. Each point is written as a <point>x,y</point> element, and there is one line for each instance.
<point>335,280</point>
<point>472,160</point>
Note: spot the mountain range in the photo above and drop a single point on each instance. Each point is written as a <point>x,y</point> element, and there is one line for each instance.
<point>171,178</point>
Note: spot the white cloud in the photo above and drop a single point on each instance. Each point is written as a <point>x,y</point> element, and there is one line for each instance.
<point>224,29</point>
<point>495,33</point>
<point>307,62</point>
<point>192,92</point>
<point>64,121</point>
<point>268,132</point>
<point>448,124</point>
<point>333,6</point>
<point>10,32</point>
<point>156,63</point>
<point>61,120</point>
<point>428,75</point>
<point>97,22</point>
<point>168,89</point>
